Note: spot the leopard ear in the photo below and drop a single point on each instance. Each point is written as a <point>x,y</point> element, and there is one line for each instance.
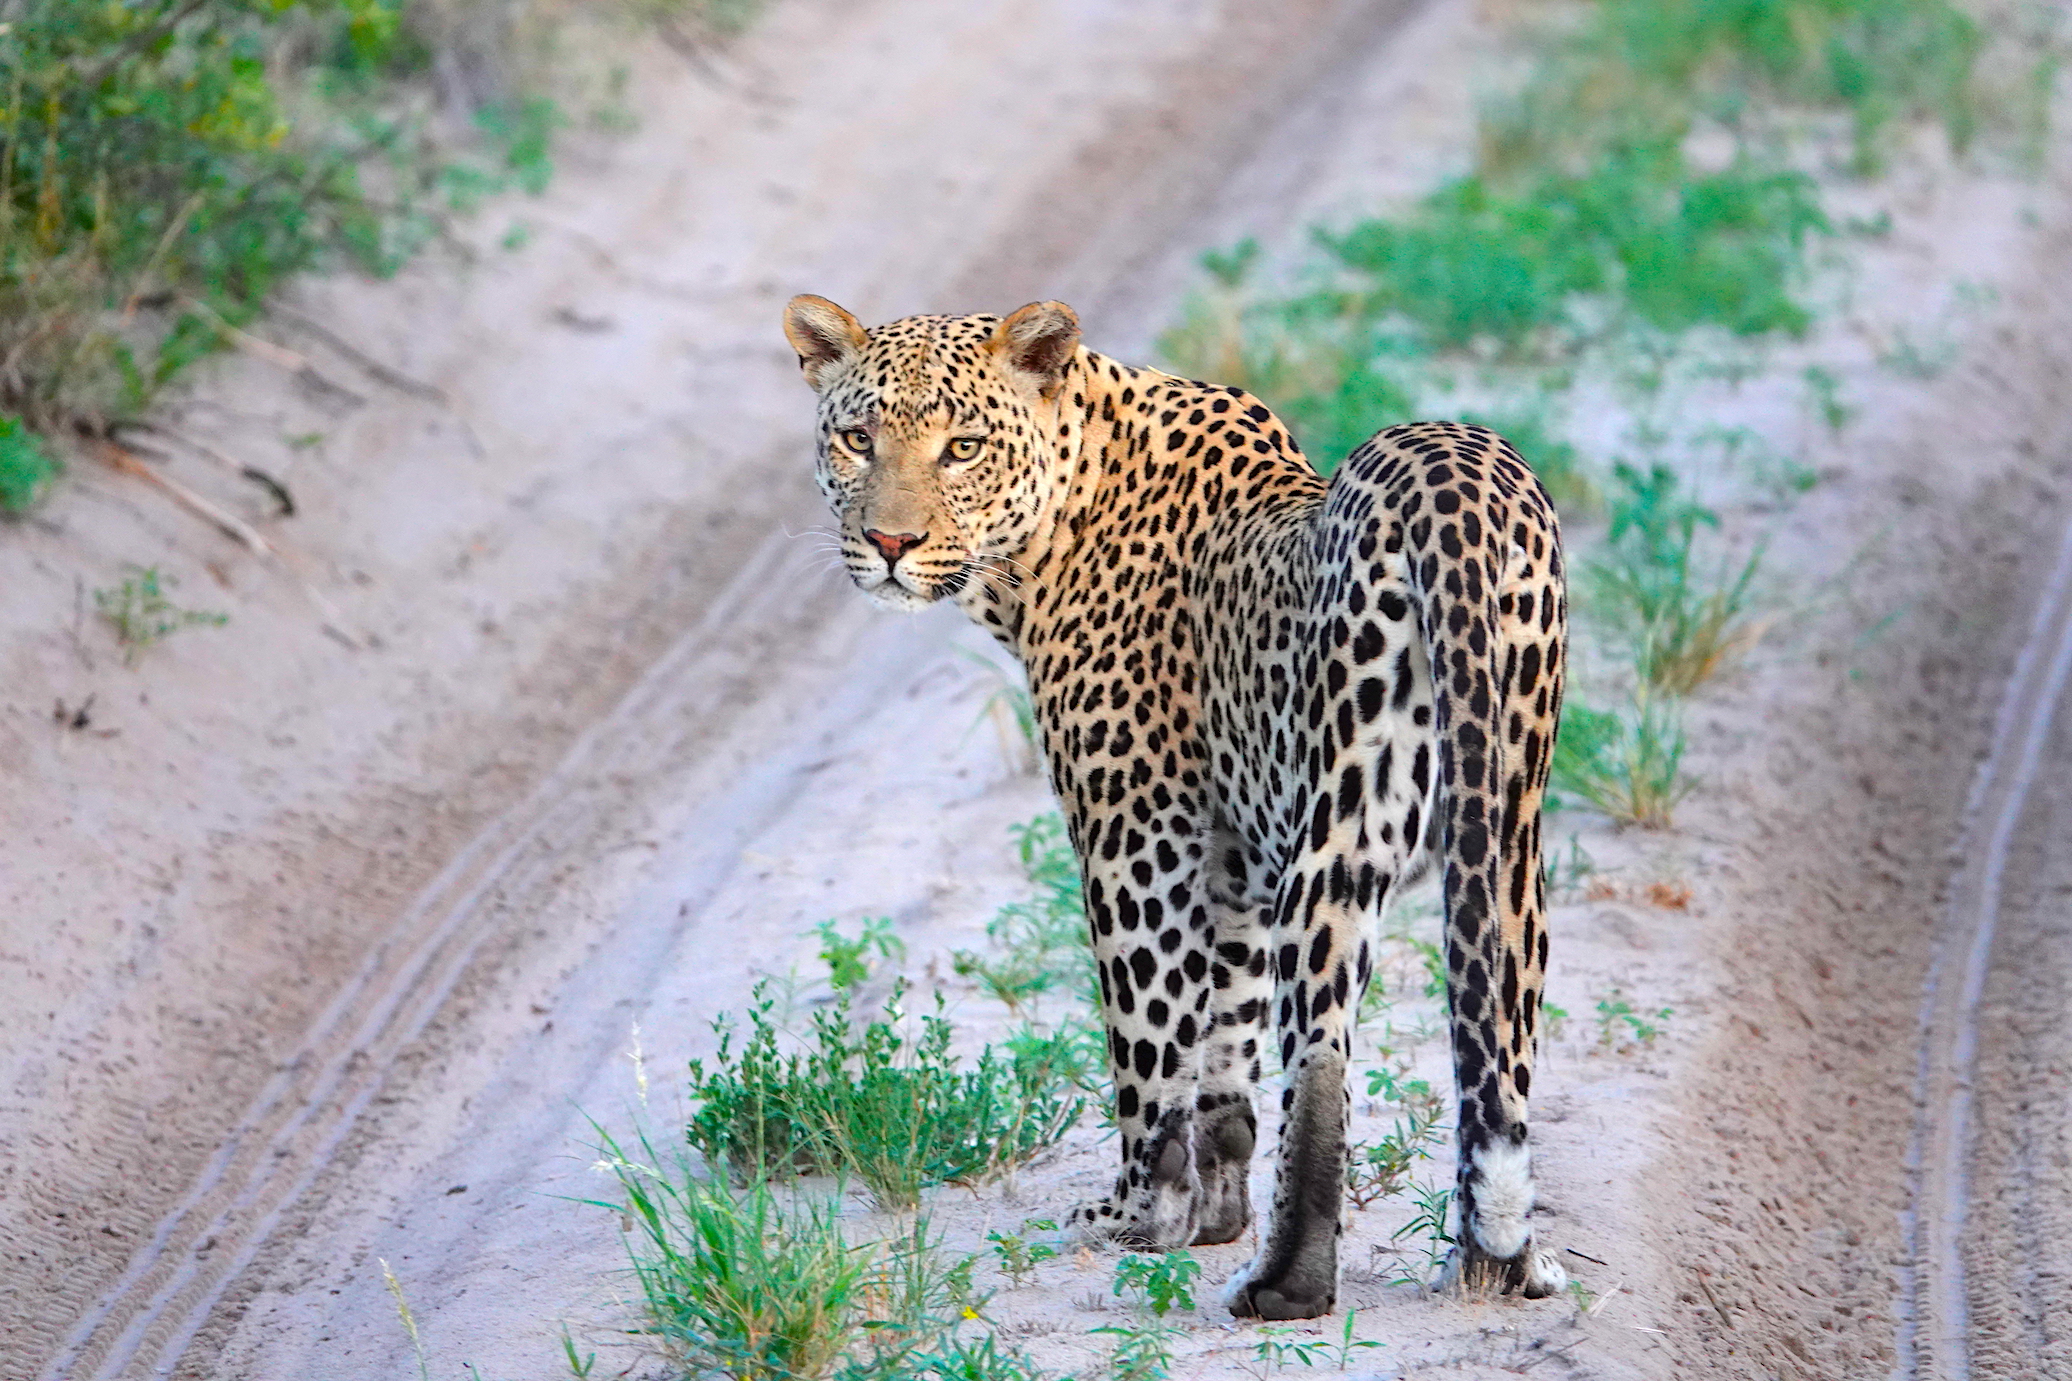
<point>823,335</point>
<point>1038,340</point>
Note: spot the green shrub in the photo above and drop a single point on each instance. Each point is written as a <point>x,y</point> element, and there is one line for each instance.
<point>152,158</point>
<point>895,1109</point>
<point>848,958</point>
<point>1159,1283</point>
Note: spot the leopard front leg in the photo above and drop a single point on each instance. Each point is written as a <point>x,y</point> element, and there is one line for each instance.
<point>1152,931</point>
<point>1227,1126</point>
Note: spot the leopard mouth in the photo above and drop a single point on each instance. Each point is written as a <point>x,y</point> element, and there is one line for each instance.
<point>891,590</point>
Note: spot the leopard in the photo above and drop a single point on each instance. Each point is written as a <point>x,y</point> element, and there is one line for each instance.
<point>1268,701</point>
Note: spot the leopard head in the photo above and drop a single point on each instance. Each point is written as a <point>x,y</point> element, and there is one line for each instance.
<point>939,438</point>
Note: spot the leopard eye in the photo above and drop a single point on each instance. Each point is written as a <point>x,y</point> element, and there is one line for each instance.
<point>964,447</point>
<point>857,440</point>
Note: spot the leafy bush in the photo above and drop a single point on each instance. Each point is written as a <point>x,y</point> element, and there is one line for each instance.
<point>157,181</point>
<point>899,1111</point>
<point>1160,1283</point>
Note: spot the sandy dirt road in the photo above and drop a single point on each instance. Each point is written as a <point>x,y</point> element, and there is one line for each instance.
<point>327,958</point>
<point>228,920</point>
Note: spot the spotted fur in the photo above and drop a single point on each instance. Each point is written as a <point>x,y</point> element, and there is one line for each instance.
<point>1265,700</point>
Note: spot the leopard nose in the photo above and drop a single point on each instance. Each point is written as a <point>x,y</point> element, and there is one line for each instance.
<point>893,545</point>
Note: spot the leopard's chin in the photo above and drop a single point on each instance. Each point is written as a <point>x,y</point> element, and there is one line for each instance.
<point>895,598</point>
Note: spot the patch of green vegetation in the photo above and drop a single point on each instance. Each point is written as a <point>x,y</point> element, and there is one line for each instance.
<point>1376,1171</point>
<point>165,165</point>
<point>1635,67</point>
<point>1160,1284</point>
<point>848,958</point>
<point>26,469</point>
<point>1617,1017</point>
<point>141,614</point>
<point>1586,226</point>
<point>153,157</point>
<point>1019,1257</point>
<point>878,1101</point>
<point>1142,1351</point>
<point>1277,1347</point>
<point>1428,1234</point>
<point>1678,249</point>
<point>1680,624</point>
<point>1039,945</point>
<point>761,1285</point>
<point>1628,765</point>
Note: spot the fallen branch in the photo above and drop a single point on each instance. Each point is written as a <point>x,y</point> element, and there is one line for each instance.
<point>225,521</point>
<point>275,487</point>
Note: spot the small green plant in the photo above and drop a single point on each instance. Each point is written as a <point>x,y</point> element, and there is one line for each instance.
<point>1020,1257</point>
<point>1824,391</point>
<point>847,959</point>
<point>1552,1019</point>
<point>578,1367</point>
<point>1434,967</point>
<point>1681,624</point>
<point>1143,1350</point>
<point>748,1283</point>
<point>1428,1228</point>
<point>1040,944</point>
<point>1617,1017</point>
<point>1393,1087</point>
<point>761,1285</point>
<point>1277,1348</point>
<point>142,615</point>
<point>1569,870</point>
<point>891,1106</point>
<point>26,469</point>
<point>1160,1283</point>
<point>1375,1172</point>
<point>1628,766</point>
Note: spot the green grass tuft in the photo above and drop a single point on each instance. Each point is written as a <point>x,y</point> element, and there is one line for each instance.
<point>1681,625</point>
<point>1627,765</point>
<point>892,1107</point>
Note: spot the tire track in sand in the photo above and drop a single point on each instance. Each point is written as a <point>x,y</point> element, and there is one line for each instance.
<point>1954,1262</point>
